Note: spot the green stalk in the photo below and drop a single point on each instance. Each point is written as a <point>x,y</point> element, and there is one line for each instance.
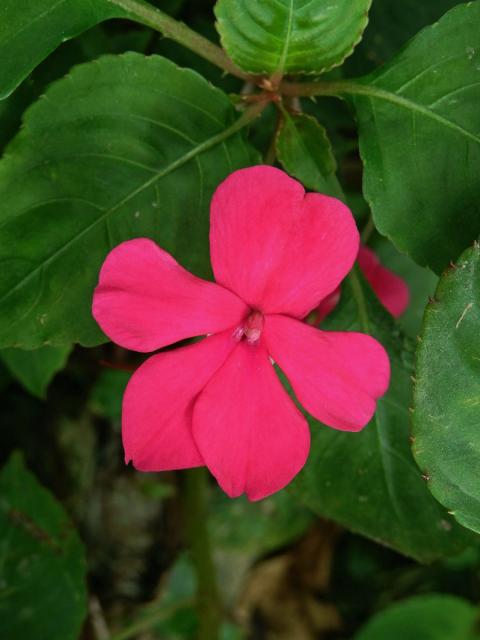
<point>193,485</point>
<point>152,17</point>
<point>359,297</point>
<point>150,618</point>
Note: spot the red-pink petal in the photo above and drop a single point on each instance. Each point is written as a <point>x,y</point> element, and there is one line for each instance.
<point>390,289</point>
<point>337,377</point>
<point>279,249</point>
<point>249,432</point>
<point>145,300</point>
<point>158,404</point>
<point>327,305</point>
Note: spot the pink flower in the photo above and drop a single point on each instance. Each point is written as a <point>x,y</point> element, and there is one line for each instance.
<point>276,252</point>
<point>390,289</point>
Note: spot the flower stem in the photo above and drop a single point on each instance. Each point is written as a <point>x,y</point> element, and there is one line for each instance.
<point>335,88</point>
<point>150,618</point>
<point>193,484</point>
<point>359,297</point>
<point>271,154</point>
<point>368,229</point>
<point>152,17</point>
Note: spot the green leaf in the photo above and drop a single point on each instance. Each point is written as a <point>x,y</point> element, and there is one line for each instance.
<point>428,617</point>
<point>90,45</point>
<point>30,30</point>
<point>304,150</point>
<point>42,574</point>
<point>35,369</point>
<point>447,393</point>
<point>124,147</point>
<point>368,481</point>
<point>290,36</point>
<point>420,140</point>
<point>390,25</point>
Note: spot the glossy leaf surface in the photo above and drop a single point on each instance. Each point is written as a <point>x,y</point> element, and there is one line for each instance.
<point>426,617</point>
<point>447,393</point>
<point>305,152</point>
<point>419,128</point>
<point>290,36</point>
<point>100,160</point>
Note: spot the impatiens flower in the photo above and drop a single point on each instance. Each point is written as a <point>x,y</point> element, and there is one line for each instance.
<point>391,290</point>
<point>276,253</point>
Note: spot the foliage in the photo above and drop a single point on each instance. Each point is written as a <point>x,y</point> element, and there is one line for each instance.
<point>430,617</point>
<point>118,119</point>
<point>43,561</point>
<point>290,36</point>
<point>419,127</point>
<point>382,494</point>
<point>445,416</point>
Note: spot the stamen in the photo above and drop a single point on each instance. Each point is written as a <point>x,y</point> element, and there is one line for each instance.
<point>251,329</point>
<point>238,333</point>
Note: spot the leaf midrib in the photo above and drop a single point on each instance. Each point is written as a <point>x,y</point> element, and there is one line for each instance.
<point>288,34</point>
<point>371,91</point>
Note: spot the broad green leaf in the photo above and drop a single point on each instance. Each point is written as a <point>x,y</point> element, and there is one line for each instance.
<point>31,29</point>
<point>426,617</point>
<point>304,150</point>
<point>35,369</point>
<point>447,392</point>
<point>290,36</point>
<point>420,140</point>
<point>390,25</point>
<point>368,481</point>
<point>88,46</point>
<point>124,147</point>
<point>42,574</point>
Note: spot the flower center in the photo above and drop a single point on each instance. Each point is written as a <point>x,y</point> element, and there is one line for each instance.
<point>251,329</point>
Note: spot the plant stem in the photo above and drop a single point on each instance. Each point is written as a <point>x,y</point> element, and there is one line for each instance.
<point>368,230</point>
<point>271,154</point>
<point>150,619</point>
<point>178,31</point>
<point>193,485</point>
<point>359,297</point>
<point>335,88</point>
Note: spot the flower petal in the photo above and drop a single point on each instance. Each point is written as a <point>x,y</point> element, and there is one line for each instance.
<point>145,300</point>
<point>327,305</point>
<point>390,289</point>
<point>249,432</point>
<point>280,250</point>
<point>158,404</point>
<point>337,377</point>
